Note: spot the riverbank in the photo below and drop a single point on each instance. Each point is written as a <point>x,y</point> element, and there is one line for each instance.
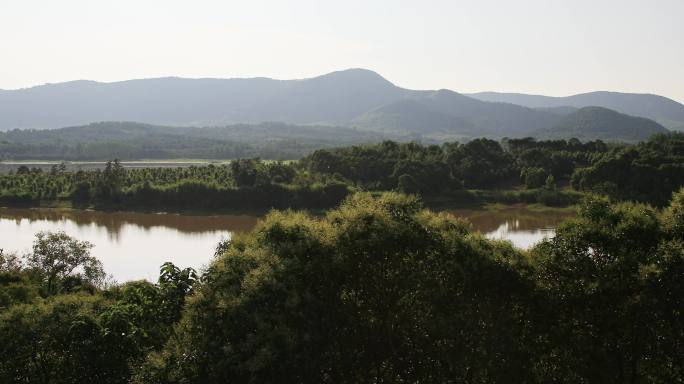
<point>122,208</point>
<point>133,245</point>
<point>479,199</point>
<point>536,199</point>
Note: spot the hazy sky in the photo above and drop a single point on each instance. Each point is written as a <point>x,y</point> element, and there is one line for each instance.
<point>553,47</point>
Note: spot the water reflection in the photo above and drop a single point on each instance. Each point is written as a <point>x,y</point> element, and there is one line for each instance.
<point>524,227</point>
<point>114,222</point>
<point>134,245</point>
<point>130,245</point>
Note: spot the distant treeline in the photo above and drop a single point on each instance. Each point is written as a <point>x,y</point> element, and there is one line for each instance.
<point>648,172</point>
<point>378,290</point>
<point>531,171</point>
<point>244,184</point>
<point>124,140</point>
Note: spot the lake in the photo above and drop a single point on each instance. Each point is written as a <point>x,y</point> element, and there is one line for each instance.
<point>524,227</point>
<point>132,246</point>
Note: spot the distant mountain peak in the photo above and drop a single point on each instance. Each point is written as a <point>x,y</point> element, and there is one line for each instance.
<point>353,72</point>
<point>353,75</point>
<point>445,92</point>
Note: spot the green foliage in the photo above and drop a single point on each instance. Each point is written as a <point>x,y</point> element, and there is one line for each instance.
<point>382,289</point>
<point>432,169</point>
<point>16,284</point>
<point>377,289</point>
<point>407,184</point>
<point>534,177</point>
<point>65,340</point>
<point>557,157</point>
<point>244,172</point>
<point>244,184</point>
<point>79,333</point>
<point>438,171</point>
<point>647,172</point>
<point>91,337</point>
<point>613,278</point>
<point>174,285</point>
<point>110,181</point>
<point>674,215</point>
<point>550,183</point>
<point>9,262</point>
<point>57,256</point>
<point>480,163</point>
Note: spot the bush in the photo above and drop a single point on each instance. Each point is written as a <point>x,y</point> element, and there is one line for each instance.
<point>534,177</point>
<point>378,288</point>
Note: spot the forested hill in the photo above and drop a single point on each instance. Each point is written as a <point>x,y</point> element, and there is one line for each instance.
<point>665,111</point>
<point>410,116</point>
<point>592,123</point>
<point>128,140</point>
<point>401,121</point>
<point>354,98</point>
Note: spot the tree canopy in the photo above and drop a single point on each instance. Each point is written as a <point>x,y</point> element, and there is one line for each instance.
<point>381,290</point>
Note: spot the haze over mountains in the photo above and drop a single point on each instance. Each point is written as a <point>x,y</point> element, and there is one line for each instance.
<point>665,111</point>
<point>592,122</point>
<point>355,98</point>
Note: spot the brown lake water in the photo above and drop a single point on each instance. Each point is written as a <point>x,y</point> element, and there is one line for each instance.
<point>523,227</point>
<point>132,246</point>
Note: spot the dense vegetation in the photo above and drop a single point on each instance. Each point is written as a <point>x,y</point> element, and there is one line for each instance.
<point>480,163</point>
<point>378,290</point>
<point>471,173</point>
<point>649,171</point>
<point>61,323</point>
<point>244,184</point>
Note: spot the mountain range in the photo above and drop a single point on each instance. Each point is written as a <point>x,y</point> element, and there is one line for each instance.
<point>355,98</point>
<point>667,112</point>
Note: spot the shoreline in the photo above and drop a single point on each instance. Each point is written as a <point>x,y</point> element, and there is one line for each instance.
<point>486,201</point>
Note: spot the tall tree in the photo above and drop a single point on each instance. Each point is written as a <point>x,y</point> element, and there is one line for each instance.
<point>57,256</point>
